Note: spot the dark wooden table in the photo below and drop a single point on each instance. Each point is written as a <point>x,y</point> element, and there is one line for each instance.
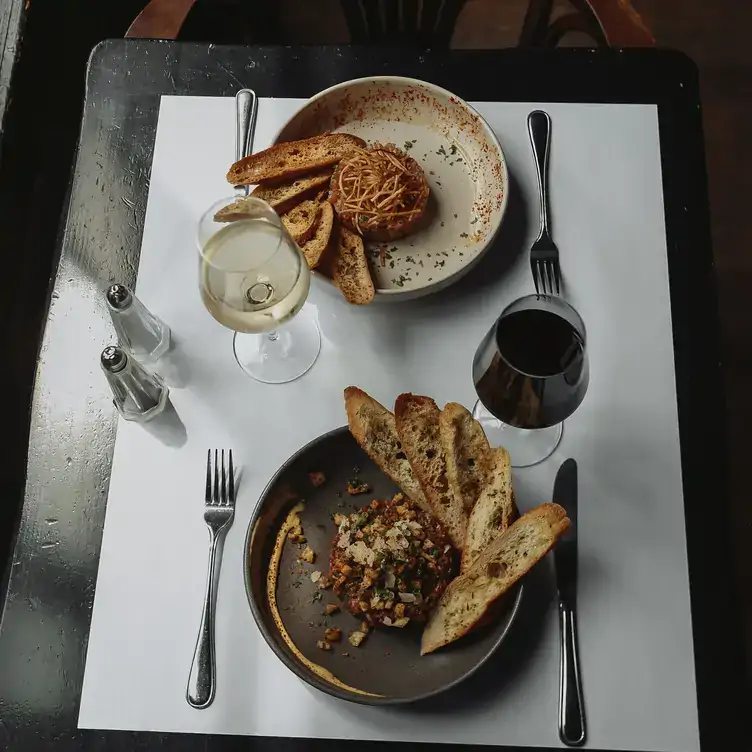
<point>52,570</point>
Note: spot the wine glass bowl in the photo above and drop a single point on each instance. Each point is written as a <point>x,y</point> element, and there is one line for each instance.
<point>531,373</point>
<point>254,278</point>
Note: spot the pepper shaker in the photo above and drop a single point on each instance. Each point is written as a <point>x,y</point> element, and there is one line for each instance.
<point>138,330</point>
<point>137,393</point>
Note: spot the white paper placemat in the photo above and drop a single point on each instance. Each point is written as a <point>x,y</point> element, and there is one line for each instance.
<point>634,611</point>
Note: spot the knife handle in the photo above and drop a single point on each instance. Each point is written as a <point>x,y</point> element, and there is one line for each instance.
<point>246,110</point>
<point>571,707</point>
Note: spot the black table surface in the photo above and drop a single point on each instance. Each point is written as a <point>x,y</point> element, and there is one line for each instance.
<point>51,573</point>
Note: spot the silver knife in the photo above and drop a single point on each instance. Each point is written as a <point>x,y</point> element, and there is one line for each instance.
<point>246,109</point>
<point>571,708</point>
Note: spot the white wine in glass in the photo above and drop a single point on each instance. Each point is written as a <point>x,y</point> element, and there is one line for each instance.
<point>253,279</point>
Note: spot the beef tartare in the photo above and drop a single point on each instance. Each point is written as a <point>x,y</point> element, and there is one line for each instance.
<point>390,562</point>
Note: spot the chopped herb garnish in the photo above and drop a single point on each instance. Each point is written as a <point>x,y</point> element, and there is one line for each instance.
<point>453,149</point>
<point>463,235</point>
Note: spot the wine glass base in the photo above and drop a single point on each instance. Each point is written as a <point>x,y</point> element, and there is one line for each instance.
<point>525,447</point>
<point>280,356</point>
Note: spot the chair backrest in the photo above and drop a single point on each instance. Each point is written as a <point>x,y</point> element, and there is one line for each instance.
<point>427,23</point>
<point>430,23</point>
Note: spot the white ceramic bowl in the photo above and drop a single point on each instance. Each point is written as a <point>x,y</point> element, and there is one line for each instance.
<point>458,151</point>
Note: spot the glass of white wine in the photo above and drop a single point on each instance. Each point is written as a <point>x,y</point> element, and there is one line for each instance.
<point>254,279</point>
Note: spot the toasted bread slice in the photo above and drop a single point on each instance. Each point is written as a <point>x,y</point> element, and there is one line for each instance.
<point>302,221</point>
<point>466,448</point>
<point>233,212</point>
<point>493,512</point>
<point>512,555</point>
<point>417,420</point>
<point>374,429</point>
<point>314,248</point>
<point>292,158</point>
<point>349,268</point>
<point>285,196</point>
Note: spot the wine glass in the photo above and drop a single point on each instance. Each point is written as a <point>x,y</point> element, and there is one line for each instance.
<point>530,374</point>
<point>253,279</point>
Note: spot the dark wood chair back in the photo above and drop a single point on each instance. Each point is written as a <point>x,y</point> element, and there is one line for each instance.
<point>429,23</point>
<point>424,23</point>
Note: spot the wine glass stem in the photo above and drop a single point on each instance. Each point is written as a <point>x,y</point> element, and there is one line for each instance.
<point>273,336</point>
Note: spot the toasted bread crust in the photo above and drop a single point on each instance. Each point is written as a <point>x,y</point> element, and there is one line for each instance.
<point>283,197</point>
<point>466,448</point>
<point>302,221</point>
<point>292,158</point>
<point>350,270</point>
<point>417,420</point>
<point>494,510</point>
<point>374,428</point>
<point>468,597</point>
<point>314,248</point>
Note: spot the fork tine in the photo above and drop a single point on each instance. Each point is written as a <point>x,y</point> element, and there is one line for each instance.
<point>223,497</point>
<point>557,277</point>
<point>550,276</point>
<point>540,282</point>
<point>544,280</point>
<point>231,483</point>
<point>208,476</point>
<point>534,267</point>
<point>215,498</point>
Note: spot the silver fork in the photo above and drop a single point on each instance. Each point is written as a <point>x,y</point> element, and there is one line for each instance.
<point>219,510</point>
<point>544,255</point>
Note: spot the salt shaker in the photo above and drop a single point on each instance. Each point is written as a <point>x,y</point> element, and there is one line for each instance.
<point>138,330</point>
<point>137,393</point>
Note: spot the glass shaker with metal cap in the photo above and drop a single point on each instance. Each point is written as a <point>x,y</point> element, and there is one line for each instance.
<point>137,393</point>
<point>138,330</point>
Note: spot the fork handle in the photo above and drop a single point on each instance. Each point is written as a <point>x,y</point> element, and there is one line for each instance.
<point>202,681</point>
<point>539,128</point>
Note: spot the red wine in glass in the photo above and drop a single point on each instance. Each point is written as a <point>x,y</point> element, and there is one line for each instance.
<point>530,374</point>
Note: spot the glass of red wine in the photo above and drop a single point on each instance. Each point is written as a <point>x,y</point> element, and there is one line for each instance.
<point>530,374</point>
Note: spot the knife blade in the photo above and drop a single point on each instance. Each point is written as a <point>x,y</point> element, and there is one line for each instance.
<point>565,553</point>
<point>572,730</point>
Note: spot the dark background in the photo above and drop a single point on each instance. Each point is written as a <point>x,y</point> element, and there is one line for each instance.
<point>44,46</point>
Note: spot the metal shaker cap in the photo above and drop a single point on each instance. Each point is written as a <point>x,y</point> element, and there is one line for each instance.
<point>119,297</point>
<point>113,359</point>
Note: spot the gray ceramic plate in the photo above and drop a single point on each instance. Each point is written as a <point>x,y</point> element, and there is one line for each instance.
<point>388,664</point>
<point>457,150</point>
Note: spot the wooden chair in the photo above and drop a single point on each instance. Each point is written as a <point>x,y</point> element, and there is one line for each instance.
<point>429,23</point>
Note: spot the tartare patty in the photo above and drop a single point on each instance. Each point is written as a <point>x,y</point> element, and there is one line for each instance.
<point>390,562</point>
<point>380,192</point>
